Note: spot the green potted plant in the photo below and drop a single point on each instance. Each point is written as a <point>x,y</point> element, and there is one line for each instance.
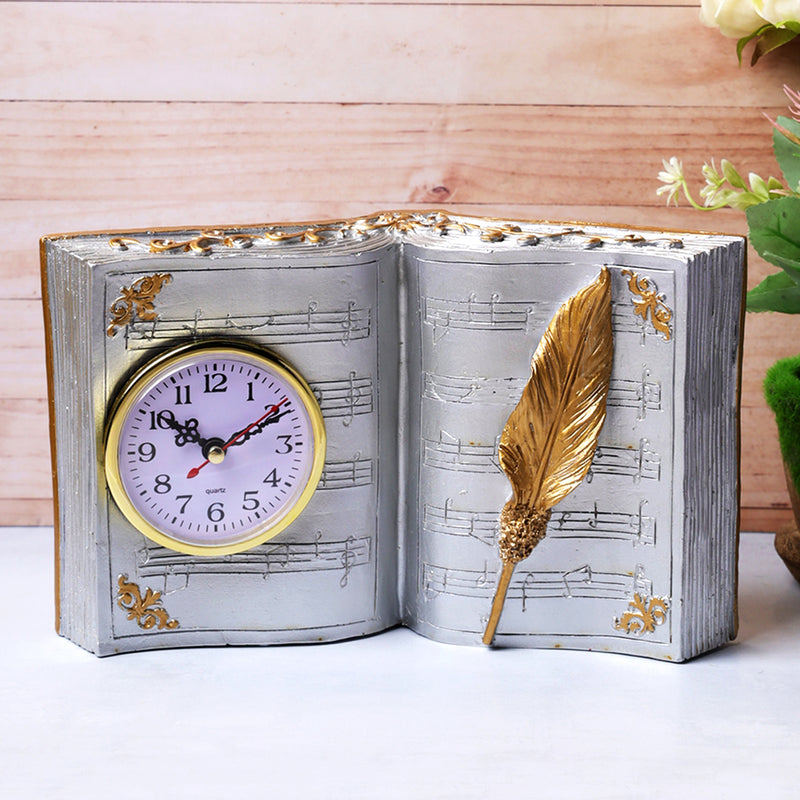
<point>772,208</point>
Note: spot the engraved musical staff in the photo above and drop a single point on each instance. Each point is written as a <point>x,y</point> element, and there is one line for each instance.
<point>581,582</point>
<point>345,398</point>
<point>357,471</point>
<point>636,527</point>
<point>643,395</point>
<point>481,525</point>
<point>494,314</point>
<point>473,314</point>
<point>485,391</point>
<point>452,454</point>
<point>312,324</point>
<point>265,560</point>
<point>640,463</point>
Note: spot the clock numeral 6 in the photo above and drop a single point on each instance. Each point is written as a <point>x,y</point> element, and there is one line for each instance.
<point>216,512</point>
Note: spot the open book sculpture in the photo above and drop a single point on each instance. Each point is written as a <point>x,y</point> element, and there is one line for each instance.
<point>301,433</point>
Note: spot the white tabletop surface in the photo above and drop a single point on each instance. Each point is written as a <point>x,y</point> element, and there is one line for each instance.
<point>396,715</point>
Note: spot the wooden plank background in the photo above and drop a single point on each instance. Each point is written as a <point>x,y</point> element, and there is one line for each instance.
<point>138,114</point>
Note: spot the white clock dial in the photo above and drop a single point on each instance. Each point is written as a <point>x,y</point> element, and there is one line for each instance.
<point>214,449</point>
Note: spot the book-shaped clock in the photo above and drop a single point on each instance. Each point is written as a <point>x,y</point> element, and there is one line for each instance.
<point>303,433</point>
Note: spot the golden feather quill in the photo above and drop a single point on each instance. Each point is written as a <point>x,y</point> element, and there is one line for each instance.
<point>548,443</point>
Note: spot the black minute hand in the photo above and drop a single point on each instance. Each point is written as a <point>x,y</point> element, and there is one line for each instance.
<point>242,436</point>
<point>269,415</point>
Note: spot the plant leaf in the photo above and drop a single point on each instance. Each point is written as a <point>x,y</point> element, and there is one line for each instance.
<point>787,152</point>
<point>774,229</point>
<point>548,443</point>
<point>771,39</point>
<point>776,292</point>
<point>788,265</point>
<point>745,40</point>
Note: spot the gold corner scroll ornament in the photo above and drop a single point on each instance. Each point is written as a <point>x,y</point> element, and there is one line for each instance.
<point>548,443</point>
<point>136,301</point>
<point>651,303</point>
<point>147,611</point>
<point>643,616</point>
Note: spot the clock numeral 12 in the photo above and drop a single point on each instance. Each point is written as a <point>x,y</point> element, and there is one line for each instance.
<point>216,382</point>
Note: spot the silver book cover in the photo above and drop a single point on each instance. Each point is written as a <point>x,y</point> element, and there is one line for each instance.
<point>415,333</point>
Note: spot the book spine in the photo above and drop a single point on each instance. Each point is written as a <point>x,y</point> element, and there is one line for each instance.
<point>711,479</point>
<point>67,279</point>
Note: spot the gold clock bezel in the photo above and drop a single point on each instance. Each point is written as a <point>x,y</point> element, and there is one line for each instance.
<point>149,374</point>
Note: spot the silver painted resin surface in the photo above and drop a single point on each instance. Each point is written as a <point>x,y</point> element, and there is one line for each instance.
<point>416,336</point>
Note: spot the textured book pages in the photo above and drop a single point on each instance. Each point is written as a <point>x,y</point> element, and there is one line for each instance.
<point>415,333</point>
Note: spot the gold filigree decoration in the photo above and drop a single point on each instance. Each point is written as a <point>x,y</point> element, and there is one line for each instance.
<point>436,222</point>
<point>136,301</point>
<point>651,303</point>
<point>644,615</point>
<point>548,443</point>
<point>147,611</point>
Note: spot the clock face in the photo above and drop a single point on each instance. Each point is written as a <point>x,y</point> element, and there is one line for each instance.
<point>214,449</point>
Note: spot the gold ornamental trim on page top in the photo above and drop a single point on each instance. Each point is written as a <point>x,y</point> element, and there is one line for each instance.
<point>207,241</point>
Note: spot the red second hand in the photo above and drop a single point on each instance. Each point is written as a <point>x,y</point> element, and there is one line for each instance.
<point>195,470</point>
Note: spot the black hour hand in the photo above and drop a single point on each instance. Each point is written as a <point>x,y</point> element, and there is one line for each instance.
<point>187,432</point>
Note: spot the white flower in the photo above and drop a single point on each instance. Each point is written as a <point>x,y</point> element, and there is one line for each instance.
<point>735,18</point>
<point>712,192</point>
<point>672,178</point>
<point>779,12</point>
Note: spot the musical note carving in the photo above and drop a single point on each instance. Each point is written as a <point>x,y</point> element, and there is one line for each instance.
<point>272,558</point>
<point>312,324</point>
<point>345,398</point>
<point>635,527</point>
<point>494,314</point>
<point>644,395</point>
<point>451,453</point>
<point>358,471</point>
<point>639,463</point>
<point>348,559</point>
<point>576,583</point>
